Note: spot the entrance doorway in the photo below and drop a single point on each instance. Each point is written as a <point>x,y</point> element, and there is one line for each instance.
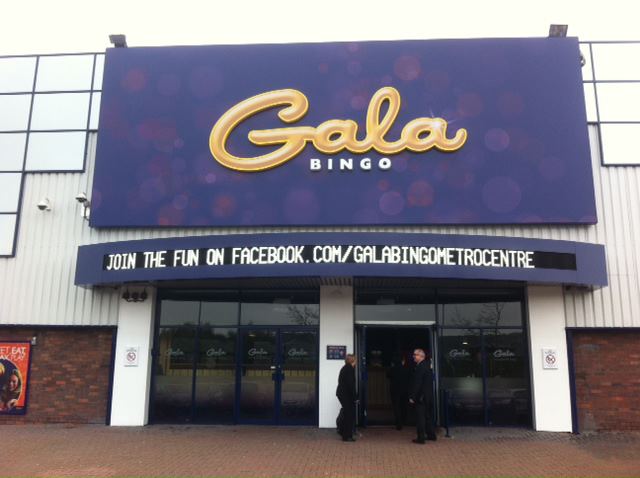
<point>278,376</point>
<point>380,349</point>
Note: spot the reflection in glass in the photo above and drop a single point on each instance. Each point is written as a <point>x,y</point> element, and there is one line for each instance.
<point>179,312</point>
<point>618,143</point>
<point>94,118</point>
<point>257,386</point>
<point>299,365</point>
<point>60,111</point>
<point>508,392</point>
<point>99,71</point>
<point>619,101</point>
<point>14,112</point>
<point>174,374</point>
<point>265,308</point>
<point>16,74</point>
<point>219,313</point>
<point>7,230</point>
<point>9,191</point>
<point>461,375</point>
<point>12,151</point>
<point>64,73</point>
<point>487,314</point>
<point>215,374</point>
<point>56,151</point>
<point>616,61</point>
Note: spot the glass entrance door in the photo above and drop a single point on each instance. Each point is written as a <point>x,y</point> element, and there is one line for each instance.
<point>278,376</point>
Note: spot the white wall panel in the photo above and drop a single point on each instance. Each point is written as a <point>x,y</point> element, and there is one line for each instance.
<point>36,287</point>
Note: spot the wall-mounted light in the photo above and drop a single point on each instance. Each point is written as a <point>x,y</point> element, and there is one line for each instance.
<point>558,31</point>
<point>135,296</point>
<point>34,340</point>
<point>44,204</point>
<point>85,203</point>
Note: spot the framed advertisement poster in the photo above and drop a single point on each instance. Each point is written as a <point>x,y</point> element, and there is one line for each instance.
<point>15,359</point>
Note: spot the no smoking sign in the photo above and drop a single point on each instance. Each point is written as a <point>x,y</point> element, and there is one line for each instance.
<point>131,355</point>
<point>549,358</point>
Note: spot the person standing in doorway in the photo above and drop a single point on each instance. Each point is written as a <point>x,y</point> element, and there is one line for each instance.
<point>346,393</point>
<point>398,376</point>
<point>421,397</point>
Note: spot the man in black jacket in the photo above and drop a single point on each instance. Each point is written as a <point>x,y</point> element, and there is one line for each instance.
<point>346,393</point>
<point>421,397</point>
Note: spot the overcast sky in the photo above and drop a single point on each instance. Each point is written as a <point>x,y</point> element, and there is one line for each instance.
<point>46,26</point>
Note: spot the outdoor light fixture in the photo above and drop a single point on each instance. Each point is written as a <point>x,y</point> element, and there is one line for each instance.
<point>118,41</point>
<point>135,296</point>
<point>84,201</point>
<point>44,204</point>
<point>558,31</point>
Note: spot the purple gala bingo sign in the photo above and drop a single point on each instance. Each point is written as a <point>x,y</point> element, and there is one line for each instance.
<point>489,131</point>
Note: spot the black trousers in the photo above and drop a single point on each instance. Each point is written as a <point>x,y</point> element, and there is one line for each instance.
<point>424,421</point>
<point>348,418</point>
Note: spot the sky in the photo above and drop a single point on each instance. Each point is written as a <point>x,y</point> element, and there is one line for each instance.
<point>66,26</point>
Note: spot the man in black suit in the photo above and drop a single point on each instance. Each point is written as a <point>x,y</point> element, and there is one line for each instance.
<point>421,397</point>
<point>346,393</point>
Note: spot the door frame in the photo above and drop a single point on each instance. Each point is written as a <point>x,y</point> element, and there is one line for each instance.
<point>360,330</point>
<point>276,416</point>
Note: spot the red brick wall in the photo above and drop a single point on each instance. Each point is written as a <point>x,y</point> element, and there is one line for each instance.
<point>70,372</point>
<point>607,373</point>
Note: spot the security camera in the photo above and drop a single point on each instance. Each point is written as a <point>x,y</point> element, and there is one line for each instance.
<point>44,204</point>
<point>82,198</point>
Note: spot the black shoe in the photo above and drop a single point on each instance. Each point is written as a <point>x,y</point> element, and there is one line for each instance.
<point>348,439</point>
<point>418,442</point>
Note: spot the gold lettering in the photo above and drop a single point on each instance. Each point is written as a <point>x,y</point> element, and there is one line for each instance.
<point>333,136</point>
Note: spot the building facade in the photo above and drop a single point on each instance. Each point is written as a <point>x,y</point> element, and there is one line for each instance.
<point>174,252</point>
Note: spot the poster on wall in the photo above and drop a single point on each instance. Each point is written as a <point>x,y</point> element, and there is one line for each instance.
<point>15,358</point>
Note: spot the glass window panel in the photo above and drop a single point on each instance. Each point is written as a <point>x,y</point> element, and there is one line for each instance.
<point>619,143</point>
<point>257,384</point>
<point>587,71</point>
<point>461,375</point>
<point>12,151</point>
<point>413,306</point>
<point>56,151</point>
<point>280,308</point>
<point>481,314</point>
<point>94,119</point>
<point>9,191</point>
<point>60,111</point>
<point>590,102</point>
<point>179,312</point>
<point>619,101</point>
<point>617,61</point>
<point>219,313</point>
<point>299,365</point>
<point>16,74</point>
<point>7,230</point>
<point>98,73</point>
<point>508,391</point>
<point>64,73</point>
<point>14,112</point>
<point>174,374</point>
<point>216,374</point>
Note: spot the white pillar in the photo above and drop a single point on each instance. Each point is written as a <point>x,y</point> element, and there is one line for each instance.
<point>336,328</point>
<point>551,389</point>
<point>131,382</point>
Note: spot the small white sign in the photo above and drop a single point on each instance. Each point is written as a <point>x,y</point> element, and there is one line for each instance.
<point>131,356</point>
<point>550,358</point>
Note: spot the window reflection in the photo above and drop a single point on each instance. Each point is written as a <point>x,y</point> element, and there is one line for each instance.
<point>56,151</point>
<point>482,314</point>
<point>7,230</point>
<point>9,191</point>
<point>60,111</point>
<point>64,73</point>
<point>12,151</point>
<point>16,74</point>
<point>273,308</point>
<point>14,112</point>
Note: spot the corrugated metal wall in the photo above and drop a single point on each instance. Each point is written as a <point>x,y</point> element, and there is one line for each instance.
<point>36,287</point>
